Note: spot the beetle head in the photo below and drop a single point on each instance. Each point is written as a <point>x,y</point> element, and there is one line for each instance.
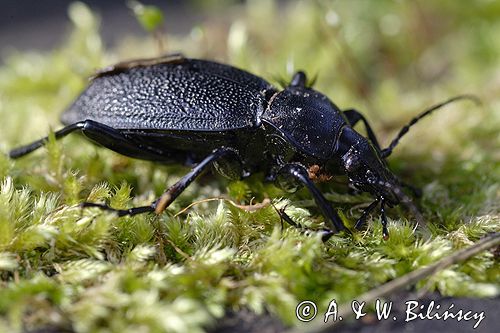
<point>366,170</point>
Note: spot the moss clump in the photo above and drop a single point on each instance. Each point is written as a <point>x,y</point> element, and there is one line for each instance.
<point>94,272</point>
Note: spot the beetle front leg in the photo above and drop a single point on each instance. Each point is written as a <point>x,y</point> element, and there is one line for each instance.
<point>160,204</point>
<point>361,221</point>
<point>385,231</point>
<point>293,173</point>
<point>383,216</point>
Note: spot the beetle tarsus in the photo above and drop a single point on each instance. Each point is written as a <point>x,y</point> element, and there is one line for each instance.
<point>119,212</point>
<point>325,232</point>
<point>385,231</point>
<point>362,220</point>
<point>285,217</point>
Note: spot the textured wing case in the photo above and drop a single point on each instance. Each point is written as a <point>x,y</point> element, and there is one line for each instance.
<point>185,94</point>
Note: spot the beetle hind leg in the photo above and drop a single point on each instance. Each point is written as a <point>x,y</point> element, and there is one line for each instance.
<point>26,149</point>
<point>160,204</point>
<point>102,134</point>
<point>120,212</point>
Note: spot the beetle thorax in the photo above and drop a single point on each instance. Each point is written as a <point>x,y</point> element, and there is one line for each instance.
<point>364,167</point>
<point>306,119</point>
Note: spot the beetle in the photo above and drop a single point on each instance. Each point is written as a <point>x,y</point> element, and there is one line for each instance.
<point>175,109</point>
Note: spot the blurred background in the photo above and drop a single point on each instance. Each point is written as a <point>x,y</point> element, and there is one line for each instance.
<point>31,24</point>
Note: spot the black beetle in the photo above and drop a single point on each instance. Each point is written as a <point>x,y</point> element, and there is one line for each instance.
<point>179,110</point>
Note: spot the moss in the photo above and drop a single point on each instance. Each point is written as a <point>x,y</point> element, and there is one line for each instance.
<point>89,270</point>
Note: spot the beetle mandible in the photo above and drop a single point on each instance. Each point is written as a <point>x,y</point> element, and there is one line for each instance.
<point>179,110</point>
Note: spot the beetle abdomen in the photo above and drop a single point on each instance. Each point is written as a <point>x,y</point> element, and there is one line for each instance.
<point>181,95</point>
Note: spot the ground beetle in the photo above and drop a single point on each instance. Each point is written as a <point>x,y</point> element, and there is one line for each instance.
<point>179,110</point>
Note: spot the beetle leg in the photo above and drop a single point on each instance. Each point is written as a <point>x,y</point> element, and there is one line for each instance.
<point>100,133</point>
<point>120,212</point>
<point>173,192</point>
<point>286,217</point>
<point>24,150</point>
<point>325,233</point>
<point>160,204</point>
<point>361,221</point>
<point>299,173</point>
<point>299,79</point>
<point>353,116</point>
<point>385,231</point>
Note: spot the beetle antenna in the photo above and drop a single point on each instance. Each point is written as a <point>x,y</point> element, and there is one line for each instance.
<point>387,151</point>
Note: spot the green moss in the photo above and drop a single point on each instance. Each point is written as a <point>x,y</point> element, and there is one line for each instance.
<point>89,270</point>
